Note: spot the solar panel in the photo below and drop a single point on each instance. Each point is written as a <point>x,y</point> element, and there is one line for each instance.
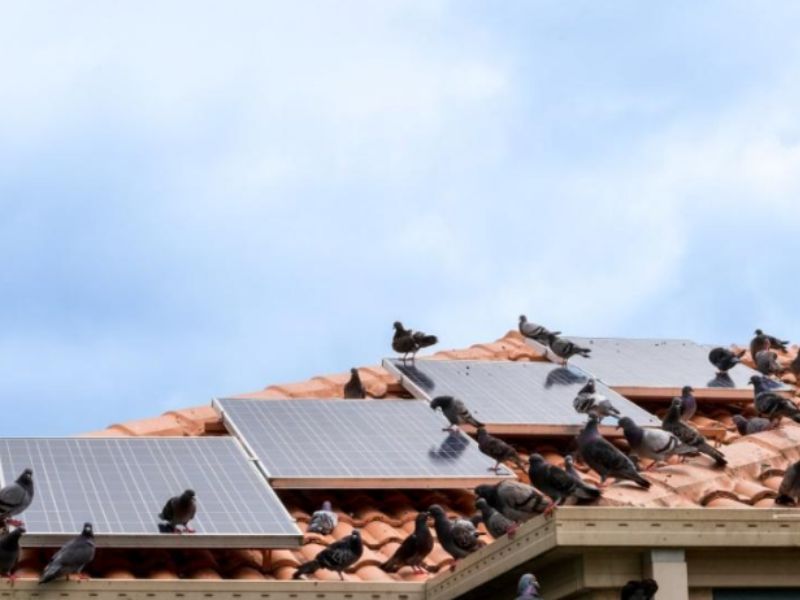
<point>121,485</point>
<point>510,397</point>
<point>356,444</point>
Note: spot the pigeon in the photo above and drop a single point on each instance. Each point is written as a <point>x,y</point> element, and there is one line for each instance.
<point>537,333</point>
<point>414,549</point>
<point>767,363</point>
<point>72,558</point>
<point>338,556</point>
<point>655,444</point>
<point>789,490</point>
<point>16,498</point>
<point>516,500</point>
<point>455,412</point>
<point>528,588</point>
<point>458,537</point>
<point>324,520</point>
<point>558,483</point>
<point>604,458</point>
<point>564,348</point>
<point>499,450</point>
<point>9,552</point>
<point>589,402</point>
<point>354,389</point>
<point>569,468</point>
<point>761,337</point>
<point>639,590</point>
<point>772,405</point>
<point>496,523</point>
<point>794,366</point>
<point>688,403</point>
<point>406,341</point>
<point>688,434</point>
<point>752,425</point>
<point>724,359</point>
<point>179,510</point>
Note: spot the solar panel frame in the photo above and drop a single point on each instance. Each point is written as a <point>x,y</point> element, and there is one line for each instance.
<point>140,474</point>
<point>442,448</point>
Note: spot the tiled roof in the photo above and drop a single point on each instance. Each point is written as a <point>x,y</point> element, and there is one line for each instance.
<point>751,479</point>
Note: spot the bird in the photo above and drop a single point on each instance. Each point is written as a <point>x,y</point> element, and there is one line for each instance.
<point>688,403</point>
<point>656,444</point>
<point>772,405</point>
<point>725,359</point>
<point>407,341</point>
<point>767,363</point>
<point>794,366</point>
<point>789,490</point>
<point>757,344</point>
<point>413,550</point>
<point>354,389</point>
<point>324,520</point>
<point>569,468</point>
<point>565,349</point>
<point>639,590</point>
<point>72,558</point>
<point>589,402</point>
<point>9,552</point>
<point>179,510</point>
<point>605,458</point>
<point>688,434</point>
<point>458,537</point>
<point>337,556</point>
<point>752,425</point>
<point>16,497</point>
<point>497,449</point>
<point>516,500</point>
<point>454,411</point>
<point>537,333</point>
<point>558,483</point>
<point>528,588</point>
<point>496,523</point>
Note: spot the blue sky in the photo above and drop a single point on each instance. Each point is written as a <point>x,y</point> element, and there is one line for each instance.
<point>201,199</point>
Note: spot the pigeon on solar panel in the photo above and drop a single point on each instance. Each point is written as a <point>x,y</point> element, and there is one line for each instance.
<point>458,537</point>
<point>496,523</point>
<point>604,458</point>
<point>639,590</point>
<point>455,412</point>
<point>688,403</point>
<point>354,389</point>
<point>178,510</point>
<point>724,359</point>
<point>752,425</point>
<point>767,363</point>
<point>789,490</point>
<point>656,444</point>
<point>557,483</point>
<point>497,449</point>
<point>16,497</point>
<point>590,402</point>
<point>688,434</point>
<point>9,552</point>
<point>72,558</point>
<point>338,556</point>
<point>528,588</point>
<point>413,550</point>
<point>324,520</point>
<point>565,349</point>
<point>761,337</point>
<point>772,405</point>
<point>537,333</point>
<point>516,500</point>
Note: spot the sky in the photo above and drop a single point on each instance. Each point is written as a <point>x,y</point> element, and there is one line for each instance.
<point>201,198</point>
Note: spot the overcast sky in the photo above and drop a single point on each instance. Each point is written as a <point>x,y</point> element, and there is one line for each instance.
<point>203,198</point>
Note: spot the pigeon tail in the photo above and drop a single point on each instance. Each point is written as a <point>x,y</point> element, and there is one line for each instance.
<point>390,566</point>
<point>52,571</point>
<point>785,500</point>
<point>639,480</point>
<point>306,569</point>
<point>719,457</point>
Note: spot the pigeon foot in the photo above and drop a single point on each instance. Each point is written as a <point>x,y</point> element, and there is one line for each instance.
<point>15,522</point>
<point>188,529</point>
<point>11,579</point>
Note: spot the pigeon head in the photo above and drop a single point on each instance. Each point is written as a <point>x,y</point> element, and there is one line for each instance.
<point>354,372</point>
<point>436,511</point>
<point>398,326</point>
<point>527,584</point>
<point>625,423</point>
<point>568,461</point>
<point>755,380</point>
<point>589,387</point>
<point>481,504</point>
<point>741,423</point>
<point>188,494</point>
<point>487,491</point>
<point>26,477</point>
<point>686,390</point>
<point>11,539</point>
<point>758,332</point>
<point>536,458</point>
<point>676,403</point>
<point>441,402</point>
<point>88,531</point>
<point>523,319</point>
<point>650,586</point>
<point>327,505</point>
<point>422,516</point>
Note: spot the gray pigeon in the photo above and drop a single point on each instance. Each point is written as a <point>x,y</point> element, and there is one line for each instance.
<point>569,468</point>
<point>537,333</point>
<point>528,588</point>
<point>458,537</point>
<point>413,550</point>
<point>752,425</point>
<point>656,444</point>
<point>772,405</point>
<point>774,342</point>
<point>589,402</point>
<point>725,359</point>
<point>15,498</point>
<point>767,363</point>
<point>516,500</point>
<point>639,590</point>
<point>338,556</point>
<point>688,434</point>
<point>454,411</point>
<point>406,341</point>
<point>324,520</point>
<point>178,511</point>
<point>557,483</point>
<point>354,389</point>
<point>789,490</point>
<point>499,450</point>
<point>496,524</point>
<point>605,458</point>
<point>72,558</point>
<point>565,349</point>
<point>9,552</point>
<point>688,403</point>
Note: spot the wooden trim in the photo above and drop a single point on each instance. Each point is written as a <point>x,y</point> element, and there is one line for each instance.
<point>377,483</point>
<point>708,395</point>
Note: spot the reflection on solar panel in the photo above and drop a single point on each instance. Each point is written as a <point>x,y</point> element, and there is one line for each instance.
<point>121,485</point>
<point>355,444</point>
<point>511,397</point>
